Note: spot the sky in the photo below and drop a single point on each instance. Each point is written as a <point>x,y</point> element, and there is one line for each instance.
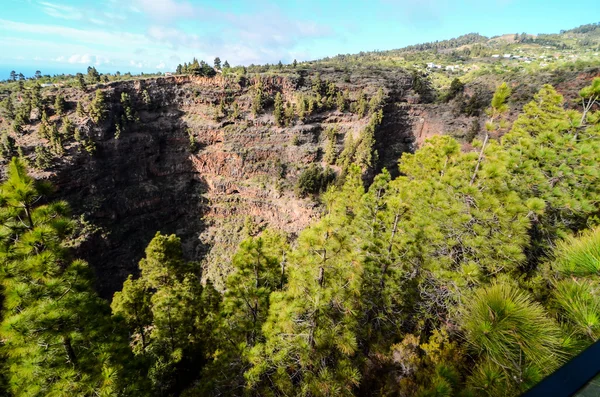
<point>136,36</point>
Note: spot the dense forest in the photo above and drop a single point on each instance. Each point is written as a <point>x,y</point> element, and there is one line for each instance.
<point>472,273</point>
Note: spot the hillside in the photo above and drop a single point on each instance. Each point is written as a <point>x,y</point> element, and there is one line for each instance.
<point>414,222</point>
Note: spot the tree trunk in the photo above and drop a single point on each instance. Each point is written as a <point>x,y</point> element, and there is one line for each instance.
<point>69,350</point>
<point>28,213</point>
<point>487,135</point>
<point>282,271</point>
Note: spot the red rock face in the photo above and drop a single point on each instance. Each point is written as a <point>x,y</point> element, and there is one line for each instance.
<point>243,172</point>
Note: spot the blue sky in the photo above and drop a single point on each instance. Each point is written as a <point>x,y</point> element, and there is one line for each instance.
<point>156,35</point>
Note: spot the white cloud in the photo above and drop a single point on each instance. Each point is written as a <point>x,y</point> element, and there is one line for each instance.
<point>60,11</point>
<point>77,58</point>
<point>268,35</point>
<point>100,60</point>
<point>114,16</point>
<point>165,10</point>
<point>97,21</point>
<point>98,37</point>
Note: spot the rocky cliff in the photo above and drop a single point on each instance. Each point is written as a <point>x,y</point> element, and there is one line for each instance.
<point>240,176</point>
<point>197,162</point>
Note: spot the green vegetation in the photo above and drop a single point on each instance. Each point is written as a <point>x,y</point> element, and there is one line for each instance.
<point>471,273</point>
<point>474,272</point>
<point>58,337</point>
<point>199,68</point>
<point>278,111</point>
<point>168,313</point>
<point>314,180</point>
<point>59,105</point>
<point>98,109</point>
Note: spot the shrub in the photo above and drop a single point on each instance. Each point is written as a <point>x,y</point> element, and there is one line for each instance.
<point>314,180</point>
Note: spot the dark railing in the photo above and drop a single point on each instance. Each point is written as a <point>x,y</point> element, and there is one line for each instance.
<point>578,377</point>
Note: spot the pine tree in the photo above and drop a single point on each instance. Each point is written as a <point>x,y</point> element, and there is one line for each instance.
<point>259,269</point>
<point>330,150</point>
<point>361,107</point>
<point>8,106</point>
<point>93,75</point>
<point>235,114</point>
<point>36,96</point>
<point>289,113</point>
<point>515,339</point>
<point>222,112</point>
<point>384,291</point>
<point>7,146</point>
<point>257,103</point>
<point>44,131</point>
<point>58,337</point>
<point>56,141</point>
<point>376,101</point>
<point>366,156</point>
<point>146,98</point>
<point>79,110</point>
<point>302,108</point>
<point>589,95</point>
<point>563,183</point>
<point>81,81</point>
<point>77,135</point>
<point>317,84</point>
<point>278,110</point>
<point>128,111</point>
<point>340,102</point>
<point>67,128</point>
<point>347,156</point>
<point>59,105</point>
<point>310,344</point>
<point>498,108</point>
<point>98,109</point>
<point>166,315</point>
<point>43,157</point>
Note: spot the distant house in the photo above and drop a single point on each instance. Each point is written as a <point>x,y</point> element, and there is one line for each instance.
<point>506,55</point>
<point>496,56</point>
<point>168,74</point>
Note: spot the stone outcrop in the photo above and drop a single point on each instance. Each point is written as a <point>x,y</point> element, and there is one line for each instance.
<point>241,175</point>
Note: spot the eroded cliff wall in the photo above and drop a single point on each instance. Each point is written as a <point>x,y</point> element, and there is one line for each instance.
<point>242,172</point>
<point>241,175</point>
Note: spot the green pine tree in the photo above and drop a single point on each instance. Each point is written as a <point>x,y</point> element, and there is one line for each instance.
<point>97,110</point>
<point>278,110</point>
<point>58,336</point>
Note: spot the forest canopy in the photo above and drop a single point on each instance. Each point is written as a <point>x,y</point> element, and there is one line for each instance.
<point>472,273</point>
